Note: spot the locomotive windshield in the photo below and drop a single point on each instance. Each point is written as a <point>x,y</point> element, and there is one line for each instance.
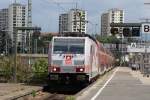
<point>68,46</point>
<point>60,49</point>
<point>79,49</point>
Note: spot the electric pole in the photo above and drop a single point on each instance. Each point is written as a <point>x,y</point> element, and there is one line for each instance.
<point>15,57</point>
<point>29,24</point>
<point>29,13</point>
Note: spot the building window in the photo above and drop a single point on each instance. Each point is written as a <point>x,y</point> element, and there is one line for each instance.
<point>112,19</point>
<point>121,14</point>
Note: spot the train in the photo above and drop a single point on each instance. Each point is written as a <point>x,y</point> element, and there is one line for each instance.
<point>79,59</point>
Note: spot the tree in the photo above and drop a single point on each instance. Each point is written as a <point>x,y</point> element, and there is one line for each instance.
<point>40,70</point>
<point>107,39</point>
<point>47,38</point>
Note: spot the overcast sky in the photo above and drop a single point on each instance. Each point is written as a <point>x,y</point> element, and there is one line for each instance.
<point>46,12</point>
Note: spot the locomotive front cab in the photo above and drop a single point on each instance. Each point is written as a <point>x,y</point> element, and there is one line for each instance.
<point>67,59</point>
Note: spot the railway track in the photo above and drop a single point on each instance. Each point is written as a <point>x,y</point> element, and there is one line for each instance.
<point>56,97</point>
<point>59,92</point>
<point>48,94</point>
<point>42,96</point>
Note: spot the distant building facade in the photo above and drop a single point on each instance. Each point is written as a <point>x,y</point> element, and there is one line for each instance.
<point>63,23</point>
<point>104,24</point>
<point>73,21</point>
<point>17,18</point>
<point>5,41</point>
<point>4,19</point>
<point>112,16</point>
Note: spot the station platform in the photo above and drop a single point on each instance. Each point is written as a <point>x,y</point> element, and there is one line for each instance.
<point>121,84</point>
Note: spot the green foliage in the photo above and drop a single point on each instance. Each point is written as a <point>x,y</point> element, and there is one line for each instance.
<point>47,38</point>
<point>107,39</point>
<point>40,66</point>
<point>70,98</point>
<point>24,73</point>
<point>40,69</point>
<point>6,65</point>
<point>33,93</point>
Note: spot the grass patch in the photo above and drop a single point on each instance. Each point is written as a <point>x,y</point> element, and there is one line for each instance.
<point>70,98</point>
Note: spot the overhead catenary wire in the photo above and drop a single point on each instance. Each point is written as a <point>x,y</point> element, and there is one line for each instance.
<point>59,4</point>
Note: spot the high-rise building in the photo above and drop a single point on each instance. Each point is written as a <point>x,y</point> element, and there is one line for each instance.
<point>104,24</point>
<point>77,20</point>
<point>112,16</point>
<point>4,19</point>
<point>63,23</point>
<point>17,18</point>
<point>5,42</point>
<point>73,21</point>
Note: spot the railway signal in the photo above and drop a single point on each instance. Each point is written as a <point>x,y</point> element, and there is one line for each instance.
<point>127,32</point>
<point>136,32</point>
<point>114,31</point>
<point>131,32</point>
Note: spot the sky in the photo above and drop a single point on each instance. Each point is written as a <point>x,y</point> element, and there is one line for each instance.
<point>46,12</point>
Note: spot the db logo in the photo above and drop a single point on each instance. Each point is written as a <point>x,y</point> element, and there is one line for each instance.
<point>68,59</point>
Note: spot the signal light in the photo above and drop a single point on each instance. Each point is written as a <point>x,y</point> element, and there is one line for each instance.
<point>114,31</point>
<point>126,32</point>
<point>136,32</point>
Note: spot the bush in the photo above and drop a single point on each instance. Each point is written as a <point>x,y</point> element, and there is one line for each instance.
<point>6,65</point>
<point>24,72</point>
<point>70,98</point>
<point>40,66</point>
<point>40,71</point>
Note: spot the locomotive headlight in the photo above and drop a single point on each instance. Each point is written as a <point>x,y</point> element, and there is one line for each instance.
<point>81,69</point>
<point>54,69</point>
